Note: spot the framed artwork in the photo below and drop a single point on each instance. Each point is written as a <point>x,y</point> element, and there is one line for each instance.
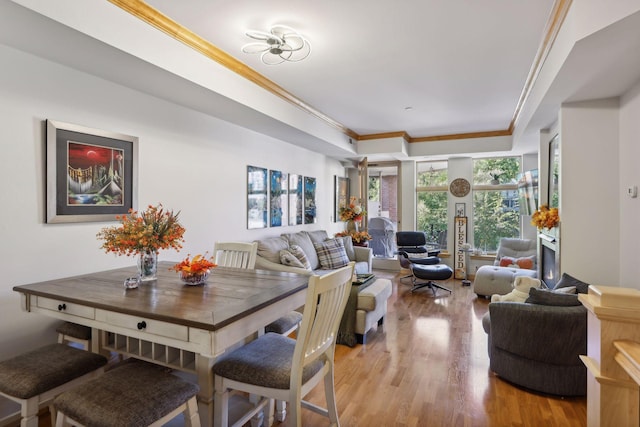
<point>309,200</point>
<point>460,210</point>
<point>295,199</point>
<point>92,174</point>
<point>256,197</point>
<point>278,199</point>
<point>341,198</point>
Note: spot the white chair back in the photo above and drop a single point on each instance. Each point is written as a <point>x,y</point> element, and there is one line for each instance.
<point>326,300</point>
<point>236,254</point>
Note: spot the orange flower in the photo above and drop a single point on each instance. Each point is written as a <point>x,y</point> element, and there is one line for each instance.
<point>152,230</point>
<point>356,236</point>
<point>352,212</point>
<point>198,265</point>
<point>545,217</point>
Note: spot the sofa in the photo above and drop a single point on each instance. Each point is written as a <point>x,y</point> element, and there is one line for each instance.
<point>367,303</point>
<point>269,256</point>
<point>514,257</point>
<point>536,344</point>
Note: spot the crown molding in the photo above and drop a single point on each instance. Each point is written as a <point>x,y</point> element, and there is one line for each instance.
<point>153,17</point>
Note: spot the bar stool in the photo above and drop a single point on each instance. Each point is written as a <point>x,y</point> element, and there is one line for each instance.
<point>73,332</point>
<point>131,394</point>
<point>33,379</point>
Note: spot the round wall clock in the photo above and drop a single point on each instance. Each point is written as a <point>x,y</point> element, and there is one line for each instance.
<point>460,187</point>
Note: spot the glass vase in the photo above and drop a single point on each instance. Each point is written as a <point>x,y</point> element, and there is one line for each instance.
<point>352,226</point>
<point>148,265</point>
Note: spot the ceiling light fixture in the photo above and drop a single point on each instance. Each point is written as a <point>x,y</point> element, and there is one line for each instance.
<point>281,44</point>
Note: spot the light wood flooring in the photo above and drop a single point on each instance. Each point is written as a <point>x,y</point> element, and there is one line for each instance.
<point>428,366</point>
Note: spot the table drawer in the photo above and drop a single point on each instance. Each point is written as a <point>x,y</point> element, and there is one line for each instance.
<point>65,307</point>
<point>142,324</point>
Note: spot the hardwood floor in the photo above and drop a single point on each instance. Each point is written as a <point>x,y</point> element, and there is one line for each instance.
<point>429,367</point>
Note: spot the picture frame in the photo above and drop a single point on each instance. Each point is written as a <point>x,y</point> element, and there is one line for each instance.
<point>257,202</point>
<point>460,210</point>
<point>341,198</point>
<point>295,199</point>
<point>309,200</point>
<point>278,200</point>
<point>92,174</point>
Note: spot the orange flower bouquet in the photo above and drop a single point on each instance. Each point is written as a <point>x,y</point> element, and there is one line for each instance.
<point>545,217</point>
<point>148,231</point>
<point>352,212</point>
<point>194,271</point>
<point>356,236</point>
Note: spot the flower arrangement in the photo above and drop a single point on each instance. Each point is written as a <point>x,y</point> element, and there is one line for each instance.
<point>194,271</point>
<point>545,217</point>
<point>198,265</point>
<point>352,212</point>
<point>148,231</point>
<point>356,236</point>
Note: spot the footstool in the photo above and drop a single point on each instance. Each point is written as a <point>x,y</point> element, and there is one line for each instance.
<point>493,279</point>
<point>430,273</point>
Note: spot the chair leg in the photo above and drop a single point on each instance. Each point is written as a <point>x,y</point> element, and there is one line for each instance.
<point>220,405</point>
<point>281,410</point>
<point>191,416</point>
<point>330,396</point>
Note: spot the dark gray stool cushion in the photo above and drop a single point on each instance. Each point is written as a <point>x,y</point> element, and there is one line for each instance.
<point>46,368</point>
<point>284,323</point>
<point>132,394</point>
<point>266,361</point>
<point>74,330</point>
<point>432,272</point>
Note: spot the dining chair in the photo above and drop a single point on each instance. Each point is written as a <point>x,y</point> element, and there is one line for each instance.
<point>235,254</point>
<point>278,367</point>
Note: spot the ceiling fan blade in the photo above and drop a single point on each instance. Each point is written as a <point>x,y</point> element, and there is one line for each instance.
<point>258,35</point>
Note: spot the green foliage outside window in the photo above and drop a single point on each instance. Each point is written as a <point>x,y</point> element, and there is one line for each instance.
<point>496,213</point>
<point>432,201</point>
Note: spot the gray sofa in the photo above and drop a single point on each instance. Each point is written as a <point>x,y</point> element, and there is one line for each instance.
<point>268,257</point>
<point>537,345</point>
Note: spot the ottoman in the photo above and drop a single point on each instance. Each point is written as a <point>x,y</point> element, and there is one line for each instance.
<point>372,307</point>
<point>493,279</point>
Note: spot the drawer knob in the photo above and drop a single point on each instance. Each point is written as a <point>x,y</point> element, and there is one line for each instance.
<point>142,325</point>
<point>62,307</point>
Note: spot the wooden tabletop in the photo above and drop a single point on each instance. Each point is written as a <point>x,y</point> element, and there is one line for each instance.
<point>228,295</point>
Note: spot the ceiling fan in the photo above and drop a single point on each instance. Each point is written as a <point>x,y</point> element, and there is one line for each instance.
<point>281,44</point>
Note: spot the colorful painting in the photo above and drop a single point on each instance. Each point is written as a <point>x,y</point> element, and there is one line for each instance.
<point>278,200</point>
<point>91,174</point>
<point>309,200</point>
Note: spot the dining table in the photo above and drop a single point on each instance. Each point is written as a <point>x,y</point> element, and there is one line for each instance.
<point>167,322</point>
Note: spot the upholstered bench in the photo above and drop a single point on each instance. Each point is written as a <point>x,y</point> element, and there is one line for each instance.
<point>133,393</point>
<point>33,379</point>
<point>493,279</point>
<point>371,307</point>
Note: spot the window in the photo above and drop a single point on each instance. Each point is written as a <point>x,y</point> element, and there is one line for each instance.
<point>496,211</point>
<point>431,209</point>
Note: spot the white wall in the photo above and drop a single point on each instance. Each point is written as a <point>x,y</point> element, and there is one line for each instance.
<point>188,161</point>
<point>590,191</point>
<point>629,158</point>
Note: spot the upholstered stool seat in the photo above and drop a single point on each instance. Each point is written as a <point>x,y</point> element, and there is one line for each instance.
<point>33,379</point>
<point>285,324</point>
<point>73,332</point>
<point>430,273</point>
<point>134,394</point>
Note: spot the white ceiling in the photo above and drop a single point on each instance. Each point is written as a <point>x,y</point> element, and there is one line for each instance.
<point>460,65</point>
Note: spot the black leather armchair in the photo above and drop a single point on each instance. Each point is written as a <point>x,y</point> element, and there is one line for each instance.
<point>414,242</point>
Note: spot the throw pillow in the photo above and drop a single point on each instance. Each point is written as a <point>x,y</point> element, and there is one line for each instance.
<point>297,252</point>
<point>331,254</point>
<point>287,258</point>
<point>566,290</point>
<point>545,297</point>
<point>566,280</point>
<point>524,262</point>
<point>348,247</point>
<point>303,240</point>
